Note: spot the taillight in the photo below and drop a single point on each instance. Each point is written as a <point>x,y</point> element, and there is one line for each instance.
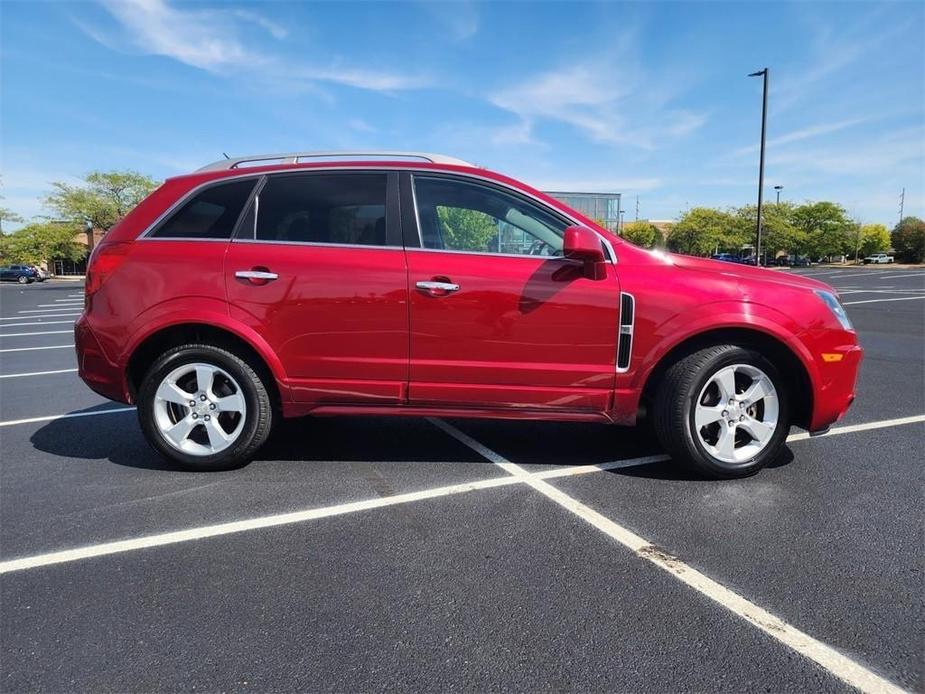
<point>104,260</point>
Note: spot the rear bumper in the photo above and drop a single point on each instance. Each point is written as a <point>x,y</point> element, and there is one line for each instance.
<point>837,389</point>
<point>101,375</point>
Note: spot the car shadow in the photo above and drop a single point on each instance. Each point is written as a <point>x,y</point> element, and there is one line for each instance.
<point>668,470</point>
<point>117,438</point>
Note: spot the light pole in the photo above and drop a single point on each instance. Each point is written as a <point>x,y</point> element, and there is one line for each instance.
<point>764,121</point>
<point>778,189</point>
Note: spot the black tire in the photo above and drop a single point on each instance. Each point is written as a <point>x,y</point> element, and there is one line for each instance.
<point>673,415</point>
<point>22,279</point>
<point>258,418</point>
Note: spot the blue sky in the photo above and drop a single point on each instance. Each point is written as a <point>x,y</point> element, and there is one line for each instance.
<point>647,99</point>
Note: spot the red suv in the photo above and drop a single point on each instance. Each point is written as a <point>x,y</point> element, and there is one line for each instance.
<point>400,284</point>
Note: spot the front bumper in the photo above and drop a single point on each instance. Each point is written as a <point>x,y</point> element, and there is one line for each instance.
<point>836,391</point>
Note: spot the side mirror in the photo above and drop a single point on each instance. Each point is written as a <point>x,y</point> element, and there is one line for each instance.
<point>580,243</point>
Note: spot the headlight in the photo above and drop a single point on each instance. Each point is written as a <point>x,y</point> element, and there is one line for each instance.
<point>829,299</point>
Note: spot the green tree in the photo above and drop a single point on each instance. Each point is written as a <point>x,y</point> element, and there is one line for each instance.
<point>909,240</point>
<point>39,242</point>
<point>873,238</point>
<point>102,199</point>
<point>7,215</point>
<point>828,229</point>
<point>642,234</point>
<point>703,229</point>
<point>467,230</point>
<point>778,231</point>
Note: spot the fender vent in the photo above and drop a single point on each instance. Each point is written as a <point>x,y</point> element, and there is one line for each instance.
<point>625,337</point>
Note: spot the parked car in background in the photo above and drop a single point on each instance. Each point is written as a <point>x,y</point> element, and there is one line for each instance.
<point>23,274</point>
<point>725,257</point>
<point>878,258</point>
<point>303,284</point>
<point>793,261</point>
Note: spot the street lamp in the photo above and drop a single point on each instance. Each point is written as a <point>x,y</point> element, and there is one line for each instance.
<point>778,189</point>
<point>764,121</point>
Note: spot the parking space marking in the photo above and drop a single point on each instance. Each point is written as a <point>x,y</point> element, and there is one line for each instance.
<point>260,522</point>
<point>38,373</point>
<point>903,275</point>
<point>883,291</point>
<point>70,415</point>
<point>846,669</point>
<point>44,332</point>
<point>29,349</point>
<point>47,322</point>
<point>42,317</point>
<point>74,304</point>
<point>67,301</point>
<point>851,428</point>
<point>60,309</point>
<point>874,301</point>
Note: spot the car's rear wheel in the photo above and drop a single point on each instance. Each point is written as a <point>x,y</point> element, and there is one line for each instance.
<point>723,411</point>
<point>204,408</point>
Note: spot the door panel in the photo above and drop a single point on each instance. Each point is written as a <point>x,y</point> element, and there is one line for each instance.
<point>519,332</point>
<point>336,312</point>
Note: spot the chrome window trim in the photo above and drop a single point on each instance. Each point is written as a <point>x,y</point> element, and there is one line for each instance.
<point>496,255</point>
<point>317,243</point>
<point>410,169</point>
<point>625,330</point>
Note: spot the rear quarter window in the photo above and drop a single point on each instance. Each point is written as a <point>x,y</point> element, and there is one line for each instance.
<point>210,214</point>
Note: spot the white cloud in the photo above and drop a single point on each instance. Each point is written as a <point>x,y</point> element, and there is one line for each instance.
<point>460,18</point>
<point>805,134</point>
<point>591,98</point>
<point>211,39</point>
<point>599,185</point>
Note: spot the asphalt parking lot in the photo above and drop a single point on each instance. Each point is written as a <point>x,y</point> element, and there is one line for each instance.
<point>372,554</point>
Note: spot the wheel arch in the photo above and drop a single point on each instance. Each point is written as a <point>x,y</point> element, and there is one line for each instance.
<point>792,368</point>
<point>176,334</point>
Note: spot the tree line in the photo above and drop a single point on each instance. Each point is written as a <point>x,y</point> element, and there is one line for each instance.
<point>98,202</point>
<point>813,229</point>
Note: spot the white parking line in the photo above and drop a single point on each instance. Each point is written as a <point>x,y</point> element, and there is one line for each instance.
<point>259,522</point>
<point>59,306</point>
<point>903,275</point>
<point>37,373</point>
<point>881,291</point>
<point>70,415</point>
<point>44,332</point>
<point>874,301</point>
<point>866,426</point>
<point>846,669</point>
<point>67,301</point>
<point>60,309</point>
<point>47,322</point>
<point>29,349</point>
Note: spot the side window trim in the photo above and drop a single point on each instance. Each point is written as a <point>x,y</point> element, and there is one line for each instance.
<point>253,201</point>
<point>149,233</point>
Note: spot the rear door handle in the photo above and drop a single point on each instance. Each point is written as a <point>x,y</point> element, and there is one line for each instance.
<point>435,288</point>
<point>256,275</point>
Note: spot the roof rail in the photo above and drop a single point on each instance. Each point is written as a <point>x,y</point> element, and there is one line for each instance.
<point>295,157</point>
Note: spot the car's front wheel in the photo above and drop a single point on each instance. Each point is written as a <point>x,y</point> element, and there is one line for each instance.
<point>723,410</point>
<point>204,408</point>
<point>22,279</point>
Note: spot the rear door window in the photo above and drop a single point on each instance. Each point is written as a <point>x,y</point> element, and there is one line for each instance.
<point>328,208</point>
<point>210,214</point>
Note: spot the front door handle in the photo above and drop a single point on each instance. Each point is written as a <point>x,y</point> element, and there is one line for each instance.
<point>437,288</point>
<point>256,275</point>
